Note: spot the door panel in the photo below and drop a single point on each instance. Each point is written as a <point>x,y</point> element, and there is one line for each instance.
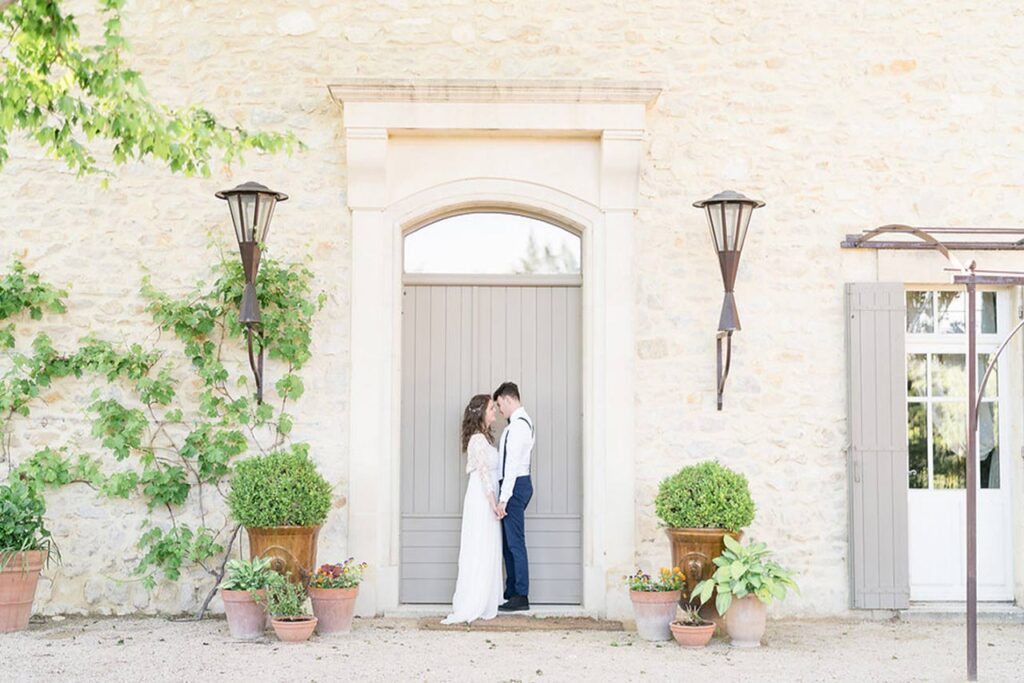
<point>461,340</point>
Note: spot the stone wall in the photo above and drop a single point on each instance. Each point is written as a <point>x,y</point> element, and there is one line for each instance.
<point>841,116</point>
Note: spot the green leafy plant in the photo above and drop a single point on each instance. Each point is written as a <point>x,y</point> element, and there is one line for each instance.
<point>282,488</point>
<point>64,94</point>
<point>286,600</point>
<point>172,454</point>
<point>243,575</point>
<point>705,496</point>
<point>691,616</point>
<point>22,527</point>
<point>667,580</point>
<point>346,575</point>
<point>744,570</point>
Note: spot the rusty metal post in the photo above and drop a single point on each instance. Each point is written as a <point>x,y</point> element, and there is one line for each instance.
<point>972,483</point>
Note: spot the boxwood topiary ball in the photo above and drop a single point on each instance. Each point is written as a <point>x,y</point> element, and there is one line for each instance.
<point>705,496</point>
<point>282,488</point>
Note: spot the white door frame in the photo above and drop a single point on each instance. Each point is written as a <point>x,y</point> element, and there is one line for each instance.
<point>613,114</point>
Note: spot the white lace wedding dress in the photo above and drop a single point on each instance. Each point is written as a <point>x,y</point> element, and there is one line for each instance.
<point>478,589</point>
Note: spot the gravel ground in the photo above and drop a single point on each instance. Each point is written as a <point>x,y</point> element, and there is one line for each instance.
<point>132,649</point>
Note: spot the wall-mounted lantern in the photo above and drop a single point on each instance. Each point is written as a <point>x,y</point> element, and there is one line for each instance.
<point>252,206</point>
<point>728,215</point>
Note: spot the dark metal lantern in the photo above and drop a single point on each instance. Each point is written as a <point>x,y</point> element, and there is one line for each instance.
<point>728,215</point>
<point>252,206</point>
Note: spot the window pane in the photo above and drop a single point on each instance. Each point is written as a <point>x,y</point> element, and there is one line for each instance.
<point>992,388</point>
<point>951,313</point>
<point>492,243</point>
<point>949,427</point>
<point>919,313</point>
<point>989,323</point>
<point>949,375</point>
<point>988,446</point>
<point>917,378</point>
<point>917,440</point>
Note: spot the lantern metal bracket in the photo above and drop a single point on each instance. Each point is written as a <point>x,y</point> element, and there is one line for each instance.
<point>253,330</point>
<point>723,369</point>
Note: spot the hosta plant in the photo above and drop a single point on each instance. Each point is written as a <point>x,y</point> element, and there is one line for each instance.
<point>242,575</point>
<point>744,570</point>
<point>22,526</point>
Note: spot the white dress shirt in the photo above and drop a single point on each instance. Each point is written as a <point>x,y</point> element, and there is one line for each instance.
<point>514,449</point>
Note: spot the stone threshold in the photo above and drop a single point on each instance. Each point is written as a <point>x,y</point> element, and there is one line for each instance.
<point>988,612</point>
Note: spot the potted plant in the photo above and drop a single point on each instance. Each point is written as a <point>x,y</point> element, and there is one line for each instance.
<point>281,500</point>
<point>745,583</point>
<point>286,602</point>
<point>655,601</point>
<point>25,546</point>
<point>243,592</point>
<point>692,630</point>
<point>700,505</point>
<point>332,590</point>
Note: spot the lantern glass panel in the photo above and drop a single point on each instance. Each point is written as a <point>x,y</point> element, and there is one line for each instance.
<point>714,214</point>
<point>234,205</point>
<point>265,213</point>
<point>744,221</point>
<point>248,211</point>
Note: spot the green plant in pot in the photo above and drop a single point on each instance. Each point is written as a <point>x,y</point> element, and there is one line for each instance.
<point>281,500</point>
<point>701,504</point>
<point>25,546</point>
<point>243,592</point>
<point>746,581</point>
<point>286,602</point>
<point>692,630</point>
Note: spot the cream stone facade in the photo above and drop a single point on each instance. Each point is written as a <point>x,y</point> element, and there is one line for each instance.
<point>605,117</point>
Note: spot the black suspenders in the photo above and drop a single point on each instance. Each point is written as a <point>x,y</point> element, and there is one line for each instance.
<point>505,446</point>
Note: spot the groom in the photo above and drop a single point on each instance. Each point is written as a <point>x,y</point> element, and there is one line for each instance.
<point>516,490</point>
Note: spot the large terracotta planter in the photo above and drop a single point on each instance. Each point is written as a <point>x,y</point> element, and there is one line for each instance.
<point>745,621</point>
<point>333,608</point>
<point>294,630</point>
<point>247,617</point>
<point>694,549</point>
<point>292,549</point>
<point>18,581</point>
<point>654,611</point>
<point>692,636</point>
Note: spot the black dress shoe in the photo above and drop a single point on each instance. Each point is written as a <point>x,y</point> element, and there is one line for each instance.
<point>517,603</point>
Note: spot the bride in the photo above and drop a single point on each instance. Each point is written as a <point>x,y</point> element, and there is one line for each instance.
<point>478,589</point>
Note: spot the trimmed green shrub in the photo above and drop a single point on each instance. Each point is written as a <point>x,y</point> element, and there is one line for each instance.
<point>21,521</point>
<point>281,488</point>
<point>705,496</point>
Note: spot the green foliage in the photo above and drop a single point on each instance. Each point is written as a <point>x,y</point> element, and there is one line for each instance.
<point>242,575</point>
<point>282,488</point>
<point>705,495</point>
<point>744,570</point>
<point>64,94</point>
<point>21,521</point>
<point>285,600</point>
<point>692,617</point>
<point>168,453</point>
<point>667,580</point>
<point>348,574</point>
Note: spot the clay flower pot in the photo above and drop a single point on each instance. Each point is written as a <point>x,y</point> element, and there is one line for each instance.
<point>294,629</point>
<point>692,636</point>
<point>694,549</point>
<point>333,608</point>
<point>247,618</point>
<point>654,611</point>
<point>18,581</point>
<point>745,621</point>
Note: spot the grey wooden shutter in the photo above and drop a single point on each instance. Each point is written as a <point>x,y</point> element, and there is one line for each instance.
<point>877,459</point>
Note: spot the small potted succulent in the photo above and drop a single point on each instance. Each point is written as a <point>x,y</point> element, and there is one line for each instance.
<point>655,601</point>
<point>25,546</point>
<point>692,630</point>
<point>286,602</point>
<point>332,590</point>
<point>744,584</point>
<point>244,591</point>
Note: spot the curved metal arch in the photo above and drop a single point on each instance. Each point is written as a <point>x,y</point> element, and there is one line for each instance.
<point>920,233</point>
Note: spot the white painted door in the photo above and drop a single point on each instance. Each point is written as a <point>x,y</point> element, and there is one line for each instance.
<point>936,426</point>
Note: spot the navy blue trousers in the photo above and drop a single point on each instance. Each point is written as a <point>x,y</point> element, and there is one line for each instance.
<point>513,539</point>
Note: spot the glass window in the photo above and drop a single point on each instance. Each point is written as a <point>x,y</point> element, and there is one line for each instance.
<point>944,312</point>
<point>492,243</point>
<point>919,312</point>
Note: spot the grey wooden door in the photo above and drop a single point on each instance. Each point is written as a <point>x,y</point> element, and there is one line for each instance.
<point>875,319</point>
<point>458,341</point>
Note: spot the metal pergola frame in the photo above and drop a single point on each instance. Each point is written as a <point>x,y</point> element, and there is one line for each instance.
<point>1007,239</point>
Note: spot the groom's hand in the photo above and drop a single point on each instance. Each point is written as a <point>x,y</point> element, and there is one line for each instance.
<point>501,511</point>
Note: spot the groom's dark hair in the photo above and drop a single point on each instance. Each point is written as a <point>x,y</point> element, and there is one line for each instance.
<point>507,389</point>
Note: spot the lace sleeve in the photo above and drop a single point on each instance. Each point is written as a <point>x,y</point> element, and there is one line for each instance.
<point>476,460</point>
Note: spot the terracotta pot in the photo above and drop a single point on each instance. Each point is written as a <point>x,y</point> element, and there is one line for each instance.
<point>694,549</point>
<point>292,549</point>
<point>745,621</point>
<point>654,611</point>
<point>333,608</point>
<point>247,618</point>
<point>18,581</point>
<point>692,636</point>
<point>294,630</point>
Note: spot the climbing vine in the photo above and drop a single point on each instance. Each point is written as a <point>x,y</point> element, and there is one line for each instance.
<point>170,433</point>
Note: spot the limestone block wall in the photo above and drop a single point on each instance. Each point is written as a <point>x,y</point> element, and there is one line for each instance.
<point>841,116</point>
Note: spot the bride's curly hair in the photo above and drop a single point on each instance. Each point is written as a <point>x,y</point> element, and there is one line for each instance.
<point>473,420</point>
